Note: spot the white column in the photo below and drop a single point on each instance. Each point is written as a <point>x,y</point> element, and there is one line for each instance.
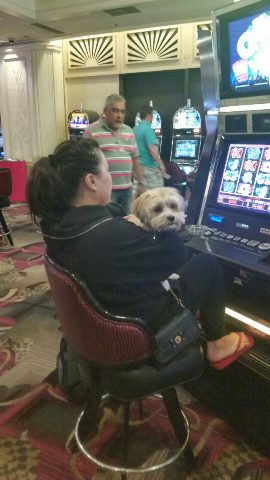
<point>32,100</point>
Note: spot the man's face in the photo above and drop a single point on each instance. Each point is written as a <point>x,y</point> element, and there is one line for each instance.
<point>115,115</point>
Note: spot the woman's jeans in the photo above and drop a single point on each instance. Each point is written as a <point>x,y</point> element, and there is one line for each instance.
<point>202,288</point>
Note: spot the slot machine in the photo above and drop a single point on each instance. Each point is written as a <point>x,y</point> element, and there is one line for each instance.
<point>186,138</point>
<point>77,122</point>
<point>234,213</point>
<point>156,125</point>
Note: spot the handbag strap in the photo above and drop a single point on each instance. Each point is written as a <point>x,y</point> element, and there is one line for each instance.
<point>175,297</point>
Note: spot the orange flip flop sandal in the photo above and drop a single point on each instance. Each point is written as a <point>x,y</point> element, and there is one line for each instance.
<point>226,361</point>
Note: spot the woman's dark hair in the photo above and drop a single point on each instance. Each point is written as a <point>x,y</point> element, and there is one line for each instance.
<point>54,180</point>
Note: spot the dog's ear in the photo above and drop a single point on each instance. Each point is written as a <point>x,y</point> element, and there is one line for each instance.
<point>136,205</point>
<point>139,206</point>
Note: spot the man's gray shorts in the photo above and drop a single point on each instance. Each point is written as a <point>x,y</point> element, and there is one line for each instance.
<point>152,177</point>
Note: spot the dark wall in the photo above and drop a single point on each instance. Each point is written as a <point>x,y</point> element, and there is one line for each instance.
<point>166,89</point>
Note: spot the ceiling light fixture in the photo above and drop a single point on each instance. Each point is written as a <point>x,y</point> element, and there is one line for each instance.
<point>9,50</point>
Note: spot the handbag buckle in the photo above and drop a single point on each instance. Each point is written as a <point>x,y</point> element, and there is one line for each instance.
<point>175,341</point>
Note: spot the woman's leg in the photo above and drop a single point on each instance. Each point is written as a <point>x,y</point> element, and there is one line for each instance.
<point>202,288</point>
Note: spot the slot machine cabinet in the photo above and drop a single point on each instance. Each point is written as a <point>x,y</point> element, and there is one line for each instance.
<point>233,204</point>
<point>186,138</point>
<point>156,126</point>
<point>235,208</point>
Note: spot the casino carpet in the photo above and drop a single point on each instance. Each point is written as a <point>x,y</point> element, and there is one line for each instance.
<point>35,419</point>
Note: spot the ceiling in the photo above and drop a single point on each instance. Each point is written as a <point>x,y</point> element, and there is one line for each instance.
<point>33,20</point>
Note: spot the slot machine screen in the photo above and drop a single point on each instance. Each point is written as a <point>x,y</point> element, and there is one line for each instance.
<point>245,52</point>
<point>245,180</point>
<point>185,149</point>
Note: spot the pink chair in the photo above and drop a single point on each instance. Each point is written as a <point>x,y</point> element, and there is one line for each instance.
<point>5,192</point>
<point>118,354</point>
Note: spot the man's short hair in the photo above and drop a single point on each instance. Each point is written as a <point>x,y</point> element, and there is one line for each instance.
<point>113,98</point>
<point>144,111</point>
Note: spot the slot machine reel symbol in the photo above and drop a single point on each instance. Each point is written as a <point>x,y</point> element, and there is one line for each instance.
<point>244,189</point>
<point>254,153</point>
<point>265,167</point>
<point>263,179</point>
<point>262,191</point>
<point>236,153</point>
<point>247,177</point>
<point>266,155</point>
<point>231,175</point>
<point>228,187</point>
<point>233,164</point>
<point>250,165</point>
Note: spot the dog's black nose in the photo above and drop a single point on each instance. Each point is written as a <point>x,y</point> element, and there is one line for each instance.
<point>171,218</point>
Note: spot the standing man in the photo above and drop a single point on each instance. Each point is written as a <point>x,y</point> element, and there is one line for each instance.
<point>152,166</point>
<point>117,142</point>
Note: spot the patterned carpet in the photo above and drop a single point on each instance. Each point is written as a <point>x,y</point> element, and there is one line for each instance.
<point>36,421</point>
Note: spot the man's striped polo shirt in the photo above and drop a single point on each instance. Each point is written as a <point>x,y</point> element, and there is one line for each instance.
<point>118,150</point>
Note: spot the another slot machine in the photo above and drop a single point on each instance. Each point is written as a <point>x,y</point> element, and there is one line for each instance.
<point>156,125</point>
<point>186,138</point>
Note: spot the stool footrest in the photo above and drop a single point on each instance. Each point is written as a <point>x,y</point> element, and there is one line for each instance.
<point>127,470</point>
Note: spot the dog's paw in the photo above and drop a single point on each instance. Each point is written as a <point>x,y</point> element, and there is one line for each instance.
<point>133,219</point>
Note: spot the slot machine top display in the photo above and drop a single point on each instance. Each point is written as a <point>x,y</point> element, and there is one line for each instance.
<point>78,119</point>
<point>187,119</point>
<point>243,67</point>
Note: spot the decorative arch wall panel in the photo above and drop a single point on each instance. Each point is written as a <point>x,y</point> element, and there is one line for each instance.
<point>91,52</point>
<point>154,45</point>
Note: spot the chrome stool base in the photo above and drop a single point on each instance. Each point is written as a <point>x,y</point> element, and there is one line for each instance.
<point>122,470</point>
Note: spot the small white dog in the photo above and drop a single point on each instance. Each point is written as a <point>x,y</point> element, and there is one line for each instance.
<point>159,209</point>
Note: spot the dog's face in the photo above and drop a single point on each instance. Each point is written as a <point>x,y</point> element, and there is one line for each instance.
<point>160,209</point>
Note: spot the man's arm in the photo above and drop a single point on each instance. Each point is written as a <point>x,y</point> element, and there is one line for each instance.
<point>138,173</point>
<point>154,153</point>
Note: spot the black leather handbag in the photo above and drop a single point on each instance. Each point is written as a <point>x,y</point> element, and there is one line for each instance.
<point>177,335</point>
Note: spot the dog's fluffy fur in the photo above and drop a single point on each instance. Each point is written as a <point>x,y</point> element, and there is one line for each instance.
<point>159,209</point>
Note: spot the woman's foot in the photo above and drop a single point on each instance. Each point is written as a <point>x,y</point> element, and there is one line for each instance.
<point>226,346</point>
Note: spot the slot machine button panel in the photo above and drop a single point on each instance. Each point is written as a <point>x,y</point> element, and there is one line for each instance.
<point>236,239</point>
<point>244,240</point>
<point>207,233</point>
<point>253,243</point>
<point>264,247</point>
<point>217,233</point>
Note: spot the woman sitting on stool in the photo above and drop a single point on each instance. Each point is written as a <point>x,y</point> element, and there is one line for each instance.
<point>121,263</point>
